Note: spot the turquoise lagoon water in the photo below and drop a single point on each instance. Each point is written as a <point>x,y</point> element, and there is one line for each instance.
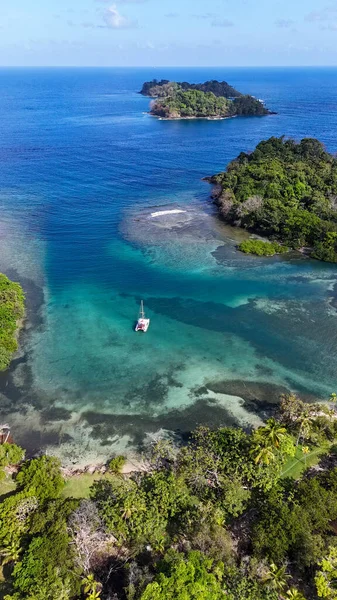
<point>83,173</point>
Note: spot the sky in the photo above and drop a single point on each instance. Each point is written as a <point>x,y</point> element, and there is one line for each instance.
<point>168,32</point>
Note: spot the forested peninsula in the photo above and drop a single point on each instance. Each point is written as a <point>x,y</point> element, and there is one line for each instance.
<point>212,99</point>
<point>231,515</point>
<point>286,191</point>
<point>11,312</point>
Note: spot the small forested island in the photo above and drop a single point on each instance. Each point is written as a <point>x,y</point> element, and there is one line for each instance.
<point>212,99</point>
<point>231,515</point>
<point>11,312</point>
<point>286,191</point>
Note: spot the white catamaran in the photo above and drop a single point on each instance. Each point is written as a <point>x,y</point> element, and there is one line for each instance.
<point>142,323</point>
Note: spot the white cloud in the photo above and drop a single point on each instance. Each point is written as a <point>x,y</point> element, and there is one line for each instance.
<point>222,23</point>
<point>205,16</point>
<point>325,14</point>
<point>215,20</point>
<point>284,23</point>
<point>114,20</point>
<point>329,27</point>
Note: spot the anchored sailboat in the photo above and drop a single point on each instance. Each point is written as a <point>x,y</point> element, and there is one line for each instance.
<point>142,323</point>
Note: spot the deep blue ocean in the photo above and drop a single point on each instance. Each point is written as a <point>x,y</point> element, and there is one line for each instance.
<point>86,180</point>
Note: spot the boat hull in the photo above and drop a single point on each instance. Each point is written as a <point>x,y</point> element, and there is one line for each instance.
<point>142,325</point>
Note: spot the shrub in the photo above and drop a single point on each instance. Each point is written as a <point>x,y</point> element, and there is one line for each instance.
<point>10,454</point>
<point>261,248</point>
<point>41,477</point>
<point>116,464</point>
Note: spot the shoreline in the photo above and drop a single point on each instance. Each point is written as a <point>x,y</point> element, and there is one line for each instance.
<point>210,118</point>
<point>131,465</point>
<point>219,118</point>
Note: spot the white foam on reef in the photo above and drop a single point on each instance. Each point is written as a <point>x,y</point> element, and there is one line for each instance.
<point>160,213</point>
<point>174,238</point>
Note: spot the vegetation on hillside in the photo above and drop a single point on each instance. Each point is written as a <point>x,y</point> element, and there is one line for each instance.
<point>164,87</point>
<point>261,248</point>
<point>191,103</point>
<point>284,190</point>
<point>210,99</point>
<point>11,311</point>
<point>217,519</point>
<point>197,104</point>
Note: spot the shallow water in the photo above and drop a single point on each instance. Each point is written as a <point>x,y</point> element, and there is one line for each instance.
<point>102,206</point>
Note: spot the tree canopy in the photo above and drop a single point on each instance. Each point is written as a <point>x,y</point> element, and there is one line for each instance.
<point>215,99</point>
<point>164,87</point>
<point>11,311</point>
<point>219,517</point>
<point>285,190</point>
<point>193,103</point>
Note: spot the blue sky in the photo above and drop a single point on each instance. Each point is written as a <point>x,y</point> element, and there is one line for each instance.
<point>168,32</point>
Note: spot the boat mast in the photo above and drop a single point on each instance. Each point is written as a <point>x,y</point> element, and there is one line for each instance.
<point>142,313</point>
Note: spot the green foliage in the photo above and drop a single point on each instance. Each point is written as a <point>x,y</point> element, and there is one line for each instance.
<point>141,513</point>
<point>326,577</point>
<point>15,513</point>
<point>210,99</point>
<point>116,464</point>
<point>41,477</point>
<point>191,103</point>
<point>296,525</point>
<point>164,87</point>
<point>10,454</point>
<point>248,106</point>
<point>215,518</point>
<point>199,104</point>
<point>11,311</point>
<point>187,578</point>
<point>286,190</point>
<point>36,538</point>
<point>148,86</point>
<point>261,248</point>
<point>294,594</point>
<point>242,583</point>
<point>46,571</point>
<point>91,587</point>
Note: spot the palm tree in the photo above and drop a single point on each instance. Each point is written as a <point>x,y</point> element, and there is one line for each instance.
<point>94,595</point>
<point>131,508</point>
<point>267,439</point>
<point>271,434</point>
<point>91,587</point>
<point>275,432</point>
<point>306,422</point>
<point>276,578</point>
<point>294,594</point>
<point>10,553</point>
<point>305,451</point>
<point>264,454</point>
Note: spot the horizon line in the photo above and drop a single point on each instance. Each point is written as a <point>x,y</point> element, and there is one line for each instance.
<point>168,67</point>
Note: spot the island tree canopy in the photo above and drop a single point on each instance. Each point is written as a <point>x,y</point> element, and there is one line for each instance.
<point>209,99</point>
<point>285,190</point>
<point>156,88</point>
